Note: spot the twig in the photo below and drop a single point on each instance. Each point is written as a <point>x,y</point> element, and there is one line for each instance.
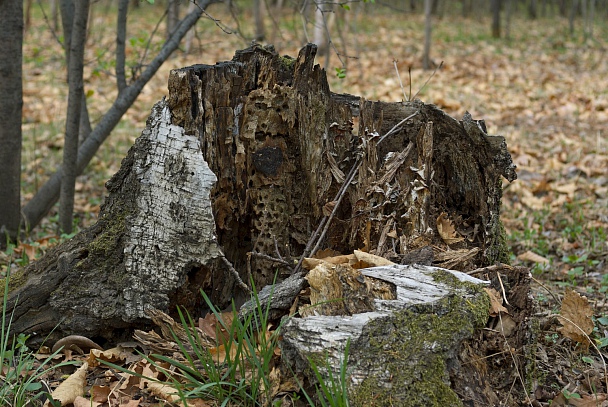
<point>502,287</point>
<point>592,344</point>
<point>494,267</point>
<point>557,301</point>
<point>401,83</point>
<point>430,77</point>
<point>319,234</point>
<point>396,127</point>
<point>276,248</point>
<point>235,274</point>
<point>521,380</point>
<point>409,71</point>
<point>273,259</point>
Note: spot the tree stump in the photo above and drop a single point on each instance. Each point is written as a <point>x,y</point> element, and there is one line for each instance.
<point>232,177</point>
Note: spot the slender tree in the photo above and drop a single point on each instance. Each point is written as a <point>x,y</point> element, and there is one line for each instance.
<point>426,58</point>
<point>75,94</point>
<point>495,7</point>
<point>11,103</point>
<point>48,194</point>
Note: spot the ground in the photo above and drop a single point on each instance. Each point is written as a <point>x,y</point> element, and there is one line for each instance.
<point>543,89</point>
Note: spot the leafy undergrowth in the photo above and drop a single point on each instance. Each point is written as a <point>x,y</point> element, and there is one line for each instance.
<point>543,90</point>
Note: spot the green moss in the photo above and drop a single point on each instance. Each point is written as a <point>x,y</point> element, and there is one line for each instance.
<point>16,280</point>
<point>499,250</point>
<point>106,241</point>
<point>419,376</point>
<point>288,62</point>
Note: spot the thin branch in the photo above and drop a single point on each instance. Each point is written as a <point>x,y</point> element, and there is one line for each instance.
<point>323,227</point>
<point>427,81</point>
<point>400,83</point>
<point>235,274</point>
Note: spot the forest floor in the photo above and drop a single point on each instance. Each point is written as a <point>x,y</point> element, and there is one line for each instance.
<point>543,89</point>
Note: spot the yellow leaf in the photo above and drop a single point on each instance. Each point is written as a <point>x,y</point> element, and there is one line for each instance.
<point>496,306</point>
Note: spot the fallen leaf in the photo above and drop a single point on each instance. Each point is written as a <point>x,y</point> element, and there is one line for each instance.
<point>533,257</point>
<point>446,230</point>
<point>496,306</point>
<point>84,402</point>
<point>575,315</point>
<point>372,259</point>
<point>71,387</point>
<point>588,400</point>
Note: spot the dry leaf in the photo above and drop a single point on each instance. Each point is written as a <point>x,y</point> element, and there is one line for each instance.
<point>114,355</point>
<point>576,309</point>
<point>84,402</point>
<point>100,394</point>
<point>72,387</point>
<point>372,259</point>
<point>496,306</point>
<point>533,257</point>
<point>588,400</point>
<point>446,230</point>
<point>164,391</point>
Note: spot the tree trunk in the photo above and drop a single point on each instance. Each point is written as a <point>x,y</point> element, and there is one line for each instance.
<point>73,120</point>
<point>495,6</point>
<point>426,58</point>
<point>11,103</point>
<point>258,16</point>
<point>227,183</point>
<point>48,194</point>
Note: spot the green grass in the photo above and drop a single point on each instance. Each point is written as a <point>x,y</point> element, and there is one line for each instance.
<point>244,376</point>
<point>22,374</point>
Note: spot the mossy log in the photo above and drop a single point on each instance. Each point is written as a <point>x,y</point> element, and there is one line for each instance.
<point>233,174</point>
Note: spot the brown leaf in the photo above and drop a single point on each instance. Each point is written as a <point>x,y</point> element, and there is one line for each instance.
<point>72,387</point>
<point>588,400</point>
<point>496,306</point>
<point>372,259</point>
<point>533,257</point>
<point>446,230</point>
<point>576,316</point>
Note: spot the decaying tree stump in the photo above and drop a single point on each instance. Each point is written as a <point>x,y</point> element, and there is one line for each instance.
<point>252,164</point>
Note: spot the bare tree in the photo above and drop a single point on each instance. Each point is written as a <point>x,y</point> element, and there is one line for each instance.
<point>426,59</point>
<point>495,7</point>
<point>533,9</point>
<point>573,10</point>
<point>11,102</point>
<point>121,37</point>
<point>72,127</point>
<point>48,194</point>
<point>258,13</point>
<point>172,16</point>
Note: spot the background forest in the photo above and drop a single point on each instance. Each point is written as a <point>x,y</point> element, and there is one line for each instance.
<point>535,70</point>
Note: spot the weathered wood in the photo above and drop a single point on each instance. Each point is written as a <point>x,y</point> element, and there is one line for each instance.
<point>153,246</point>
<point>244,159</point>
<point>401,351</point>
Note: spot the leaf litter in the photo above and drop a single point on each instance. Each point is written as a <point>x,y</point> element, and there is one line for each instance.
<point>542,89</point>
